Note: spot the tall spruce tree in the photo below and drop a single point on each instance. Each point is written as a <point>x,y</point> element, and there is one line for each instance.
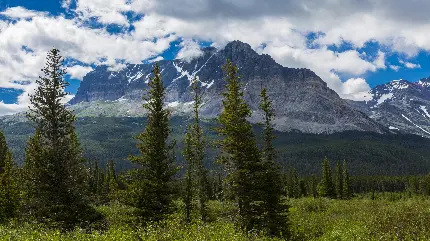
<point>293,185</point>
<point>239,152</point>
<point>196,177</point>
<point>154,178</point>
<point>347,192</point>
<point>9,189</point>
<point>326,187</point>
<point>54,166</point>
<point>275,212</point>
<point>339,180</point>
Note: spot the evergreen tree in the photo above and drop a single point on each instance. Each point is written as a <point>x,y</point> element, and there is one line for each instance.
<point>111,181</point>
<point>326,187</point>
<point>9,190</point>
<point>275,212</point>
<point>196,176</point>
<point>54,167</point>
<point>347,193</point>
<point>3,151</point>
<point>339,180</point>
<point>239,152</point>
<point>293,185</point>
<point>154,179</point>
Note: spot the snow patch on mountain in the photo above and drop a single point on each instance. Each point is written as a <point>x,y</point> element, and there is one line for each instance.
<point>399,84</point>
<point>384,98</point>
<point>424,108</point>
<point>415,124</point>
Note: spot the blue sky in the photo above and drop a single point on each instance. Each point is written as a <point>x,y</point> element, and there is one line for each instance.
<point>353,45</point>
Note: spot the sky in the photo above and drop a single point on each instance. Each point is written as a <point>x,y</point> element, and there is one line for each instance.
<point>353,45</point>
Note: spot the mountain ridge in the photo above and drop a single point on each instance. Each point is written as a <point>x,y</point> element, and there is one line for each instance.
<point>302,100</point>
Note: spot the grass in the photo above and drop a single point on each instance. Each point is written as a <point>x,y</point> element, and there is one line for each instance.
<point>311,219</point>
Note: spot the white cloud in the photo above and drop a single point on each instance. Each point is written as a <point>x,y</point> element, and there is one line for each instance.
<point>20,12</point>
<point>66,4</point>
<point>395,67</point>
<point>106,11</point>
<point>78,72</point>
<point>356,89</point>
<point>90,46</point>
<point>410,65</point>
<point>159,58</point>
<point>189,50</point>
<point>380,60</point>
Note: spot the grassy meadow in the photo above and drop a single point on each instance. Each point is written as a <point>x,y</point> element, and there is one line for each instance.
<point>390,216</point>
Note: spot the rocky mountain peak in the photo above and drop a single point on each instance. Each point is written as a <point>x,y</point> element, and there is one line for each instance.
<point>302,100</point>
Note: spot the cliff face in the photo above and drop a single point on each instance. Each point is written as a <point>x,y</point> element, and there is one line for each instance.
<point>301,99</point>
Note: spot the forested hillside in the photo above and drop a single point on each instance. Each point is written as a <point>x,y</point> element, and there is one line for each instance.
<point>111,138</point>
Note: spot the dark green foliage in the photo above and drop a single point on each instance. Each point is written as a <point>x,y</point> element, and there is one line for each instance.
<point>196,177</point>
<point>326,187</point>
<point>293,184</point>
<point>153,188</point>
<point>9,189</point>
<point>4,150</point>
<point>54,167</point>
<point>347,193</point>
<point>275,211</point>
<point>339,180</point>
<point>239,152</point>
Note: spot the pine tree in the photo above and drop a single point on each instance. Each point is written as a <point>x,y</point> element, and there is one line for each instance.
<point>326,187</point>
<point>293,185</point>
<point>275,212</point>
<point>111,182</point>
<point>339,180</point>
<point>239,152</point>
<point>154,179</point>
<point>3,151</point>
<point>194,153</point>
<point>54,166</point>
<point>9,190</point>
<point>347,193</point>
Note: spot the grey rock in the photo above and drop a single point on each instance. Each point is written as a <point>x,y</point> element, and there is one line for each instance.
<point>302,100</point>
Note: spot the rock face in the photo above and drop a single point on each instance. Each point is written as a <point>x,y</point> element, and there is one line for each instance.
<point>302,100</point>
<point>400,105</point>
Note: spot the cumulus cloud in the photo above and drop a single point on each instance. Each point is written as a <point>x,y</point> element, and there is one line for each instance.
<point>78,72</point>
<point>356,89</point>
<point>410,65</point>
<point>395,67</point>
<point>66,4</point>
<point>106,11</point>
<point>189,50</point>
<point>20,12</point>
<point>276,27</point>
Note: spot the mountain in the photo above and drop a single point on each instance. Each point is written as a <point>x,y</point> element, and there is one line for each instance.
<point>302,100</point>
<point>400,105</point>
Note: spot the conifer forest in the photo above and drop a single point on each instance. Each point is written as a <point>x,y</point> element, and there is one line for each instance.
<point>226,180</point>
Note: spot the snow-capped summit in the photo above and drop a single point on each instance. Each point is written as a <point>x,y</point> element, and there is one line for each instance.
<point>401,105</point>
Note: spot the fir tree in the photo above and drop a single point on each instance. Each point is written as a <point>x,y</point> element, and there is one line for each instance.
<point>111,182</point>
<point>154,179</point>
<point>326,187</point>
<point>275,212</point>
<point>347,193</point>
<point>3,151</point>
<point>54,167</point>
<point>239,152</point>
<point>293,185</point>
<point>9,190</point>
<point>339,180</point>
<point>194,153</point>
